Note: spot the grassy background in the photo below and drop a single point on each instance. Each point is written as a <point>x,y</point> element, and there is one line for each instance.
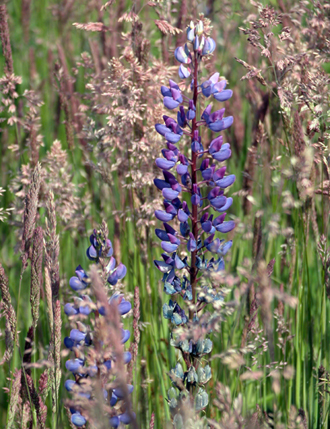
<point>308,323</point>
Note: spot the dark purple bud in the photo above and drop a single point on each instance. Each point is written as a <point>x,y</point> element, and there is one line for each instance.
<point>218,220</point>
<point>223,95</point>
<point>215,145</point>
<point>181,117</point>
<point>169,155</point>
<point>168,260</point>
<point>169,229</point>
<point>217,115</point>
<point>206,113</point>
<point>213,193</point>
<point>219,174</point>
<point>191,245</point>
<point>69,343</point>
<point>162,235</point>
<point>161,184</point>
<point>184,228</point>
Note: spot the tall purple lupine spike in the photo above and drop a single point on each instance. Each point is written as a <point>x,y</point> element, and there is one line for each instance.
<point>186,199</point>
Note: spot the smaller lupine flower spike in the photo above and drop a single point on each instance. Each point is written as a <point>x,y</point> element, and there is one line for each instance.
<point>181,55</point>
<point>184,72</point>
<point>209,46</point>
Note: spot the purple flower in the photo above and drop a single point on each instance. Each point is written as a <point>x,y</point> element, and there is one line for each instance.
<point>181,56</point>
<point>184,72</point>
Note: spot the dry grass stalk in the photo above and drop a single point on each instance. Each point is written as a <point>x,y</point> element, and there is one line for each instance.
<point>14,398</point>
<point>5,40</point>
<point>48,289</point>
<point>135,344</point>
<point>36,274</point>
<point>9,313</point>
<point>52,247</point>
<point>152,421</point>
<point>30,213</point>
<point>57,340</point>
<point>265,297</point>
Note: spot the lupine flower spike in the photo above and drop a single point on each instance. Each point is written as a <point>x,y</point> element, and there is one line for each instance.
<point>193,186</point>
<point>92,356</point>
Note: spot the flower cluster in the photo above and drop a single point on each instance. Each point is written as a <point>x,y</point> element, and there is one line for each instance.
<point>94,357</point>
<point>192,198</point>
